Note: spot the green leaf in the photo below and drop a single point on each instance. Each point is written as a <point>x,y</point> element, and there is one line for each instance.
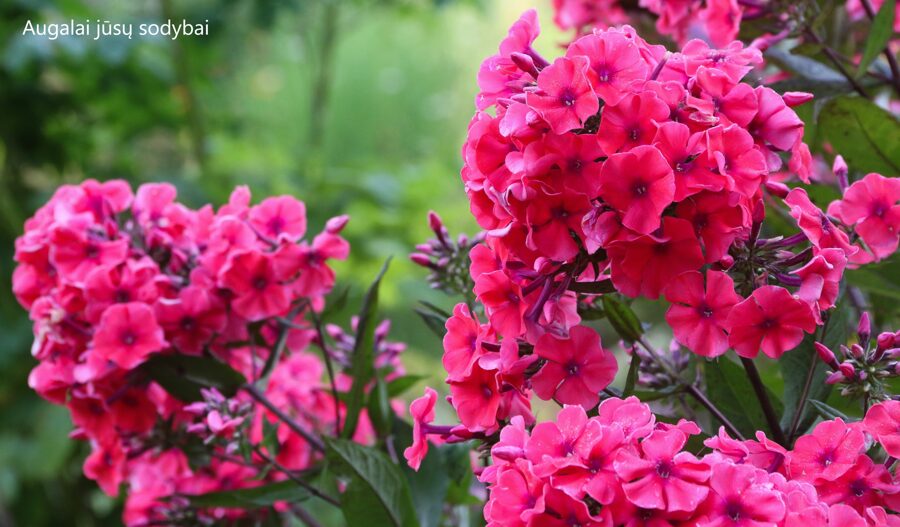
<point>805,67</point>
<point>795,366</point>
<point>184,375</point>
<point>863,133</point>
<point>400,385</point>
<point>362,368</point>
<point>879,35</point>
<point>380,495</point>
<point>254,497</point>
<point>829,412</point>
<point>622,318</point>
<point>728,387</point>
<point>593,288</point>
<point>631,377</point>
<point>434,322</point>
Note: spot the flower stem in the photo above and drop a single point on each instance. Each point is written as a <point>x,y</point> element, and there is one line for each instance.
<point>804,396</point>
<point>837,63</point>
<point>310,438</point>
<point>764,402</point>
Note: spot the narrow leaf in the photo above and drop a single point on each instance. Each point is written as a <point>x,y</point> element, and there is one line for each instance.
<point>631,378</point>
<point>879,35</point>
<point>829,412</point>
<point>622,318</point>
<point>362,368</point>
<point>593,288</point>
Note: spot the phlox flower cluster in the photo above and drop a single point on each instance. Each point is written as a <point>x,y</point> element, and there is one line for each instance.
<point>114,279</point>
<point>624,468</point>
<point>622,167</point>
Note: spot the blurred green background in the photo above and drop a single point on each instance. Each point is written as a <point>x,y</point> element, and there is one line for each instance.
<point>356,107</point>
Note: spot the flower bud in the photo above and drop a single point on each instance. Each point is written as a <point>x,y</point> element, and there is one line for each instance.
<point>724,263</point>
<point>525,63</point>
<point>834,378</point>
<point>796,98</point>
<point>777,189</point>
<point>864,329</point>
<point>421,259</point>
<point>826,355</point>
<point>885,340</point>
<point>857,352</point>
<point>336,224</point>
<point>847,369</point>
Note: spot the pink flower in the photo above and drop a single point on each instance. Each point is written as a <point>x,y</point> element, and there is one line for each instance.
<point>828,453</point>
<point>594,474</point>
<point>631,122</point>
<point>770,319</point>
<point>723,21</point>
<point>646,265</point>
<point>503,302</point>
<point>821,280</point>
<point>736,156</point>
<point>640,184</point>
<point>861,487</point>
<point>883,423</point>
<point>106,466</point>
<point>132,281</point>
<point>562,510</point>
<point>74,251</point>
<point>550,220</point>
<point>462,342</point>
<point>741,497</point>
<point>252,278</point>
<point>577,368</point>
<point>699,317</point>
<point>633,416</point>
<point>552,444</point>
<point>422,412</point>
<point>717,220</point>
<point>516,497</point>
<point>615,62</point>
<point>871,204</point>
<point>565,99</point>
<point>815,224</point>
<point>775,123</point>
<point>477,398</point>
<point>191,319</point>
<point>280,217</point>
<point>686,154</point>
<point>128,334</point>
<point>660,476</point>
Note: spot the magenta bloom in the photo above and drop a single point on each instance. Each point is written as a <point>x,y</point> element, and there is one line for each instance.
<point>192,319</point>
<point>686,154</point>
<point>815,224</point>
<point>615,62</point>
<point>631,121</point>
<point>640,184</point>
<point>127,334</point>
<point>252,278</point>
<point>661,476</point>
<point>871,204</point>
<point>565,99</point>
<point>742,497</point>
<point>422,412</point>
<point>646,265</point>
<point>502,299</point>
<point>577,368</point>
<point>883,422</point>
<point>279,217</point>
<point>828,453</point>
<point>772,320</point>
<point>699,316</point>
<point>461,342</point>
<point>477,398</point>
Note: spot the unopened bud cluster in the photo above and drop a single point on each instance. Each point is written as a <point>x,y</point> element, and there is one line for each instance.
<point>864,367</point>
<point>447,259</point>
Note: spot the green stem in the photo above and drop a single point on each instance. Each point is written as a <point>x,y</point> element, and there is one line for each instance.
<point>314,441</point>
<point>764,402</point>
<point>807,386</point>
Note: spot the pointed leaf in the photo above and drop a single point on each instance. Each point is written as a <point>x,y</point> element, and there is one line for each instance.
<point>622,318</point>
<point>879,35</point>
<point>184,375</point>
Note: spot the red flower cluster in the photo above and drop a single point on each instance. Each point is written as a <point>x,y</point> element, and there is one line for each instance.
<point>622,161</point>
<point>622,468</point>
<point>113,279</point>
